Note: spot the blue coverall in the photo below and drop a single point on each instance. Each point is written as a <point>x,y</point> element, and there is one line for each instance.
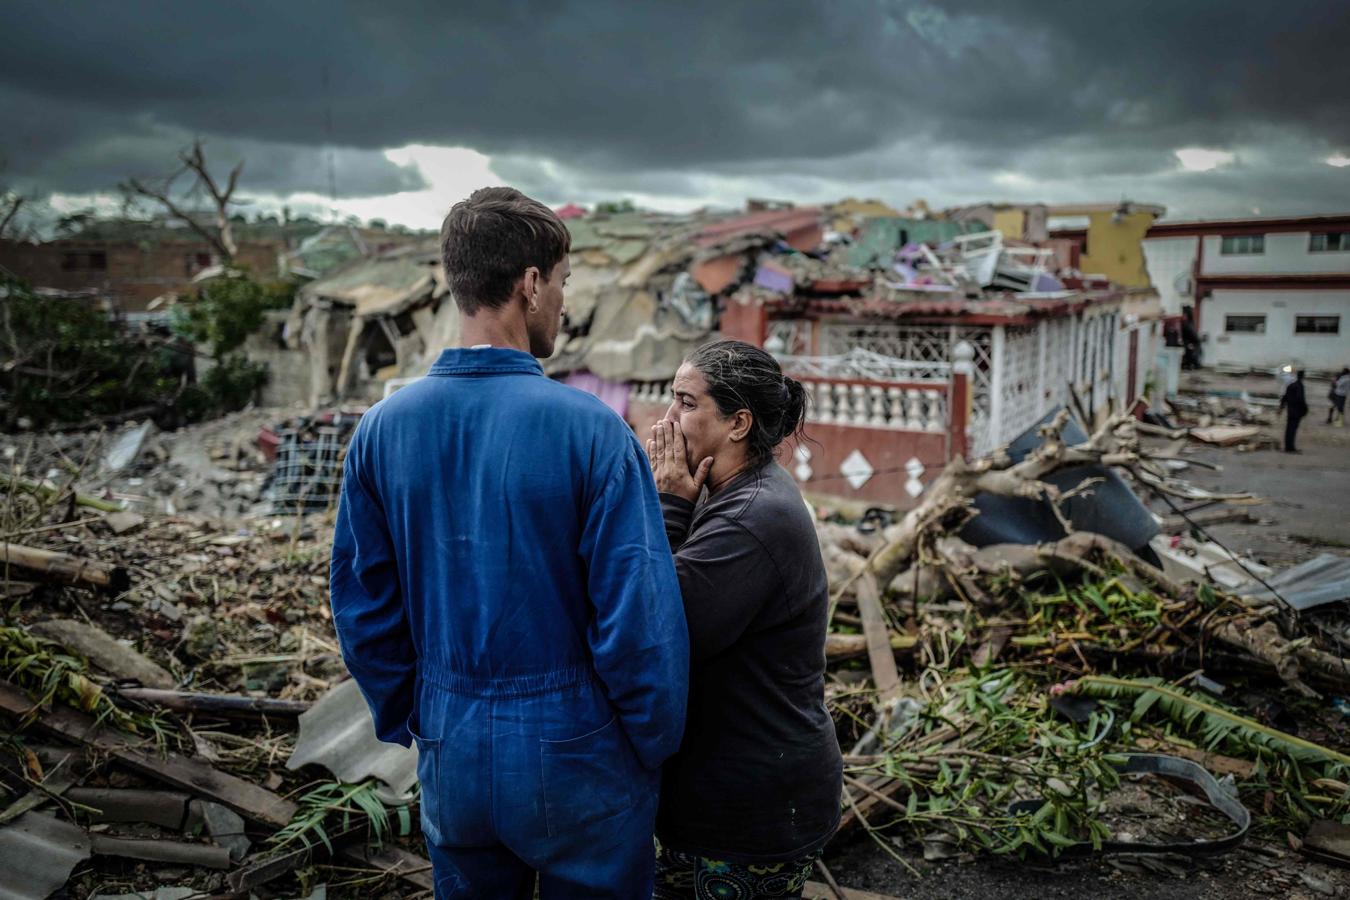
<point>504,595</point>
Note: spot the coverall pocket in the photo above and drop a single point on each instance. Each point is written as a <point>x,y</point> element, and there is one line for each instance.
<point>586,779</point>
<point>429,776</point>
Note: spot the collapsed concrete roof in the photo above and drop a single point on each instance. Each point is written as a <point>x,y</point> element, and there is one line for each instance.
<point>383,285</point>
<point>643,292</point>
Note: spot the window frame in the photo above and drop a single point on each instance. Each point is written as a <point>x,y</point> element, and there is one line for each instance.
<point>1342,241</point>
<point>1227,323</point>
<point>1317,331</point>
<point>1255,245</point>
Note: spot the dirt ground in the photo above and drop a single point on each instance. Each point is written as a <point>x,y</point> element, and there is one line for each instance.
<point>1306,513</point>
<point>1255,870</point>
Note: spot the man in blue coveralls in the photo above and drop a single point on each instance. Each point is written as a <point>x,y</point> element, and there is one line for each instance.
<point>503,588</point>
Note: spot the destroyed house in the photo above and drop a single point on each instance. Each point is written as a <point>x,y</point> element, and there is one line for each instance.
<point>937,354</point>
<point>918,340</point>
<point>644,290</point>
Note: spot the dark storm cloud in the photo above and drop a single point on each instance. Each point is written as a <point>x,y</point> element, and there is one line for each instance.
<point>90,149</point>
<point>669,93</point>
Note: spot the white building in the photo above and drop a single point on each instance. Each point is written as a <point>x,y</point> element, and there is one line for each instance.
<point>1266,292</point>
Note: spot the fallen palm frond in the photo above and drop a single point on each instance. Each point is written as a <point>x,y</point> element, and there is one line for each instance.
<point>339,805</point>
<point>50,675</point>
<point>1216,724</point>
<point>1308,780</point>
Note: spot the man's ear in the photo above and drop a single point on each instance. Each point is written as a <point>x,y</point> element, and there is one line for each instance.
<point>529,284</point>
<point>742,420</point>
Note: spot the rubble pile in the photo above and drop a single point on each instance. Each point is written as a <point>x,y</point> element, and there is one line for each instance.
<point>213,470</point>
<point>1011,691</point>
<point>1051,684</point>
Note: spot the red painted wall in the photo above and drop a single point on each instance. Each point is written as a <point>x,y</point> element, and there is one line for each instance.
<point>886,451</point>
<point>747,322</point>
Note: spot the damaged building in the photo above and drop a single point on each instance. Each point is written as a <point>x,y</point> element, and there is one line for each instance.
<point>919,338</point>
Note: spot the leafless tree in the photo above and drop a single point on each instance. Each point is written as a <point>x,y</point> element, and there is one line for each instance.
<point>10,204</point>
<point>221,237</point>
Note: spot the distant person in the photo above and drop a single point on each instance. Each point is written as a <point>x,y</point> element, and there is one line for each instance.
<point>1294,403</point>
<point>1340,389</point>
<point>503,588</point>
<point>1192,353</point>
<point>753,795</point>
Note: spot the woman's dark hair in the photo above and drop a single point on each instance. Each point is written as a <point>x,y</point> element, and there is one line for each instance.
<point>742,376</point>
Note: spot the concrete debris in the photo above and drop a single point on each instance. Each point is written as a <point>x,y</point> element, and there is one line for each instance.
<point>1031,580</point>
<point>629,270</point>
<point>122,522</point>
<point>159,893</point>
<point>1329,841</point>
<point>226,828</point>
<point>126,446</point>
<point>1225,435</point>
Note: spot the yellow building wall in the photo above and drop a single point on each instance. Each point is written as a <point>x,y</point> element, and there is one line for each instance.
<point>1116,249</point>
<point>1012,222</point>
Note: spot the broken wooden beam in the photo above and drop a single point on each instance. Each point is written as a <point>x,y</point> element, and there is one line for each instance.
<point>230,706</point>
<point>885,675</point>
<point>63,568</point>
<point>877,793</point>
<point>267,865</point>
<point>255,803</point>
<point>845,646</point>
<point>249,800</point>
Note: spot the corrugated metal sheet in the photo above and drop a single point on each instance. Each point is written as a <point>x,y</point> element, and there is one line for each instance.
<point>338,733</point>
<point>1317,582</point>
<point>37,854</point>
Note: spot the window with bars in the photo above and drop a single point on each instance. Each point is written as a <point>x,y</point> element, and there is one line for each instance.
<point>1244,324</point>
<point>1242,244</point>
<point>1317,324</point>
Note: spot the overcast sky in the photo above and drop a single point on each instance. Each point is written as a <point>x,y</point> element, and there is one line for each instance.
<point>1209,108</point>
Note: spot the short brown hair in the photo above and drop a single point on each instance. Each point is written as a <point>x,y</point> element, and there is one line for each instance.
<point>488,240</point>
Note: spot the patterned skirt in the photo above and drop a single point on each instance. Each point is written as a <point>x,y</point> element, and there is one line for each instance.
<point>688,876</point>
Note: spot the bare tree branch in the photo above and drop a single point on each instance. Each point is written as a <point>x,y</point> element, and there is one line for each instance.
<point>135,186</point>
<point>195,160</point>
<point>221,238</point>
<point>15,203</point>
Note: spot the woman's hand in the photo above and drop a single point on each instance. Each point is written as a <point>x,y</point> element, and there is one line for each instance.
<point>670,464</point>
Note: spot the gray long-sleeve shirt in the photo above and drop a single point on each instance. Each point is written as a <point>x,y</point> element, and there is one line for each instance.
<point>758,776</point>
